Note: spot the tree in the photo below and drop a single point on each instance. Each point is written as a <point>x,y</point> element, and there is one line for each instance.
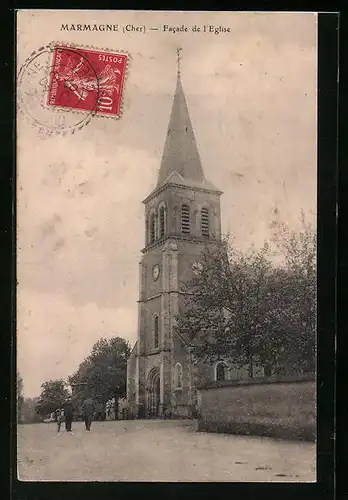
<point>226,304</point>
<point>103,374</point>
<point>280,347</point>
<point>29,415</point>
<point>53,395</point>
<point>299,265</point>
<point>19,397</point>
<point>245,306</point>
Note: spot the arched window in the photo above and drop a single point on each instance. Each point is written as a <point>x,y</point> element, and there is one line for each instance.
<point>156,332</point>
<point>162,221</point>
<point>185,219</point>
<point>205,222</point>
<point>152,227</point>
<point>220,372</point>
<point>178,376</point>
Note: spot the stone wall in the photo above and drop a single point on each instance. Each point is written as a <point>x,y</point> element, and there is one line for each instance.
<point>274,406</point>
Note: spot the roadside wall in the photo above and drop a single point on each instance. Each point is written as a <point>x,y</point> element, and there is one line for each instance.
<point>274,406</point>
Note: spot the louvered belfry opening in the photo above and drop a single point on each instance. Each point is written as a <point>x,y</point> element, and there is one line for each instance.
<point>162,221</point>
<point>205,222</point>
<point>152,228</point>
<point>185,219</point>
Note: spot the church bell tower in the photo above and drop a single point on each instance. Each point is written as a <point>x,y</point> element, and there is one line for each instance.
<point>182,215</point>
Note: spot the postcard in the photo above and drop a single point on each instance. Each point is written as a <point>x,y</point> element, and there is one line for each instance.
<point>166,246</point>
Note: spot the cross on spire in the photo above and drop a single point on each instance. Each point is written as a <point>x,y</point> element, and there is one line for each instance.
<point>178,50</point>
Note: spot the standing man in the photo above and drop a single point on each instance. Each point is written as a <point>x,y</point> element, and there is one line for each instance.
<point>60,418</point>
<point>88,411</point>
<point>68,414</point>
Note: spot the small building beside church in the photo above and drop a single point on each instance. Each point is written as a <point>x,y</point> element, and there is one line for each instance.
<point>182,216</point>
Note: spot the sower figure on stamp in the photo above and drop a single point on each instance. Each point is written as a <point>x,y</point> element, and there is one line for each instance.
<point>68,415</point>
<point>88,412</point>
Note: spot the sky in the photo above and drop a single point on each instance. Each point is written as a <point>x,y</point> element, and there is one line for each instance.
<point>252,98</point>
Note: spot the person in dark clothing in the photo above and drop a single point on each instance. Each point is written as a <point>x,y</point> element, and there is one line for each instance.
<point>88,412</point>
<point>68,415</point>
<point>59,418</point>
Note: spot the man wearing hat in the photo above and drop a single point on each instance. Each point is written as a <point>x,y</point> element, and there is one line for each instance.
<point>88,408</point>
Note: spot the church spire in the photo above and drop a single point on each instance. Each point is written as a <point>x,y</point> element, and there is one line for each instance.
<point>180,155</point>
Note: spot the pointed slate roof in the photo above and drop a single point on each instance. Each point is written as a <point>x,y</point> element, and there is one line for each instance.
<point>181,163</point>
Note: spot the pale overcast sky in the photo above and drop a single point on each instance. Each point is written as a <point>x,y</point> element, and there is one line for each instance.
<point>252,99</point>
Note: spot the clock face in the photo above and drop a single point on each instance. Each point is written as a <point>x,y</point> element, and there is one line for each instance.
<point>155,272</point>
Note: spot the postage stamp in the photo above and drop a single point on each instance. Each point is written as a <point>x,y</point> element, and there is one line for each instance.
<point>61,87</point>
<point>87,80</point>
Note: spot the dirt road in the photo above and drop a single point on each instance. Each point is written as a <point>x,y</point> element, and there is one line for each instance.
<point>157,451</point>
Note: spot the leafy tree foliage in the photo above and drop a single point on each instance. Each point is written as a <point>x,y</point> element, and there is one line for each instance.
<point>29,414</point>
<point>243,306</point>
<point>300,289</point>
<point>53,395</point>
<point>103,374</point>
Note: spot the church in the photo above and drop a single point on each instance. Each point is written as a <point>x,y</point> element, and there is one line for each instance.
<point>182,215</point>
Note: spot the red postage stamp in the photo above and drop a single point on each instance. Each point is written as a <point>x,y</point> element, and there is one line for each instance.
<point>87,80</point>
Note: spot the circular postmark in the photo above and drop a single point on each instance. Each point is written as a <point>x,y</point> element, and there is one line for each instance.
<point>48,89</point>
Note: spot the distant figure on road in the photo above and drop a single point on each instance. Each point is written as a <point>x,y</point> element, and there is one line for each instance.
<point>99,411</point>
<point>88,411</point>
<point>68,415</point>
<point>60,418</point>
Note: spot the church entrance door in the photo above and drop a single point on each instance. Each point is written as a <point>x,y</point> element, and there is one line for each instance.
<point>154,394</point>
